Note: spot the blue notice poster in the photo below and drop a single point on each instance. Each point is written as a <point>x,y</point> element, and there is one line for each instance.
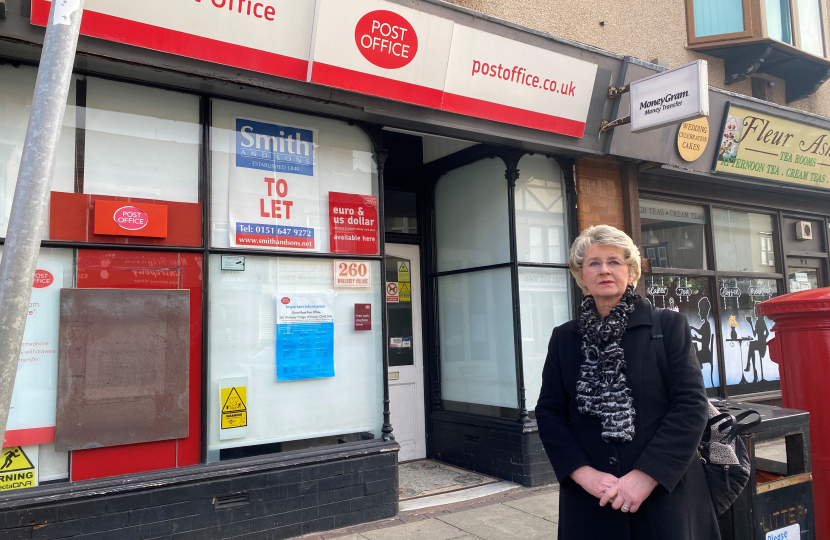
<point>305,336</point>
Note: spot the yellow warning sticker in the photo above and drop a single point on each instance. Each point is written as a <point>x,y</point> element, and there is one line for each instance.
<point>234,410</point>
<point>405,292</point>
<point>17,469</point>
<point>403,273</point>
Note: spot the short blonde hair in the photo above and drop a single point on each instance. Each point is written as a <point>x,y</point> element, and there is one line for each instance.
<point>604,235</point>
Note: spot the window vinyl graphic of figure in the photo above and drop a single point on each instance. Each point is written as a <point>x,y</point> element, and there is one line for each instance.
<point>705,339</point>
<point>760,332</point>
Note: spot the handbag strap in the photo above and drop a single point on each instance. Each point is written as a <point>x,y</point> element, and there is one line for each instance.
<point>659,345</point>
<point>743,427</point>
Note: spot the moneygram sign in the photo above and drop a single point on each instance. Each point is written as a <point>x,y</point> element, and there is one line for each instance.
<point>372,47</point>
<point>671,97</point>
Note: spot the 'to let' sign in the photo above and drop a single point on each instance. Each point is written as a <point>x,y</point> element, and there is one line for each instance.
<point>386,39</point>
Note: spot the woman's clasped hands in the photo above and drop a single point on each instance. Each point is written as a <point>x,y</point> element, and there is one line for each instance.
<point>625,494</point>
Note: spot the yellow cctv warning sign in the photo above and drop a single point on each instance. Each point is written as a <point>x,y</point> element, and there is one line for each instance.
<point>234,411</point>
<point>403,272</point>
<point>405,292</point>
<point>16,469</point>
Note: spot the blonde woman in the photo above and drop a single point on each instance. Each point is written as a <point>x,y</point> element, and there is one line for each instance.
<point>620,419</point>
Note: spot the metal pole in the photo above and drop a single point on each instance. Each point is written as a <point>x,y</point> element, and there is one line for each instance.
<point>19,261</point>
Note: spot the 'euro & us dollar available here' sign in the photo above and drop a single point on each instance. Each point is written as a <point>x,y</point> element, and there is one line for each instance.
<point>764,146</point>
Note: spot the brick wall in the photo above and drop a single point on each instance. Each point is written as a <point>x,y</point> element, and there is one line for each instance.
<point>599,193</point>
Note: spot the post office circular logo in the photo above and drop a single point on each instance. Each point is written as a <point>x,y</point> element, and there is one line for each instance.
<point>43,279</point>
<point>386,39</point>
<point>285,300</point>
<point>131,218</point>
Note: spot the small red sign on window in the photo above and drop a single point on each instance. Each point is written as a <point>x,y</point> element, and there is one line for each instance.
<point>353,223</point>
<point>362,317</point>
<point>43,279</point>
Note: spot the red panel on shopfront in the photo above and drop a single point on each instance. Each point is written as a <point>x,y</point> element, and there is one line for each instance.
<point>72,218</point>
<point>147,270</point>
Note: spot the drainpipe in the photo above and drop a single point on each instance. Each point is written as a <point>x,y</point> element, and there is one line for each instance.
<point>34,181</point>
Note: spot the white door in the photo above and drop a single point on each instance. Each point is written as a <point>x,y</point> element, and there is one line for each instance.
<point>406,360</point>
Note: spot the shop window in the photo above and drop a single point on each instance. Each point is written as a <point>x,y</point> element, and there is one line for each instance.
<point>141,142</point>
<point>471,216</point>
<point>693,297</point>
<point>274,174</point>
<point>742,241</point>
<point>674,235</point>
<point>545,303</point>
<point>401,209</point>
<point>541,224</point>
<point>31,422</point>
<point>716,17</point>
<point>17,85</point>
<point>745,334</point>
<point>279,379</point>
<point>476,340</point>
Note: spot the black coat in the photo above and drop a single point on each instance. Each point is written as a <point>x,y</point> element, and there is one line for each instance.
<point>669,422</point>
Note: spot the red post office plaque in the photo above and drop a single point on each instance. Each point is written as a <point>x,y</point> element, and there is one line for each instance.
<point>119,218</point>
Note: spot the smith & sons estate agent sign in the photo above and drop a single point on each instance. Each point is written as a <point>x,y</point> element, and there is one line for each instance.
<point>764,146</point>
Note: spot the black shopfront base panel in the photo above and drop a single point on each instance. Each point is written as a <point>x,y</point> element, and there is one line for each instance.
<point>256,498</point>
<point>496,447</point>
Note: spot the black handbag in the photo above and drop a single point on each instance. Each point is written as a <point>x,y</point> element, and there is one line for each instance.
<point>725,459</point>
<point>721,449</point>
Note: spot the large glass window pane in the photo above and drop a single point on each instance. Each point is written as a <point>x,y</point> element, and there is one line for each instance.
<point>779,25</point>
<point>674,235</point>
<point>476,342</point>
<point>541,226</point>
<point>715,17</point>
<point>141,142</point>
<point>307,383</point>
<point>545,304</point>
<point>31,419</point>
<point>743,241</point>
<point>810,27</point>
<point>691,296</point>
<point>17,85</point>
<point>278,168</point>
<point>748,367</point>
<point>471,216</point>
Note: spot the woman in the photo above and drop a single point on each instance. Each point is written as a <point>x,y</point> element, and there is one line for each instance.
<point>620,429</point>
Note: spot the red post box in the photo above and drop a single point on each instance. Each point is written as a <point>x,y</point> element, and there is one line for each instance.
<point>801,348</point>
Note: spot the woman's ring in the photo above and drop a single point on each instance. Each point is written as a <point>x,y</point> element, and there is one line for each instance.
<point>625,508</point>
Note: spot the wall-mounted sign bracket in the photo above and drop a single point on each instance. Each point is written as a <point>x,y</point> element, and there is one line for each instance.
<point>615,91</point>
<point>606,125</point>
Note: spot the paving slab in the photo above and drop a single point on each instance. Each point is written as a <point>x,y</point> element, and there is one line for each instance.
<point>499,522</point>
<point>349,537</point>
<point>420,530</point>
<point>542,506</point>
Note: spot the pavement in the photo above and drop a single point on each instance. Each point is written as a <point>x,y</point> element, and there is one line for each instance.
<point>521,513</point>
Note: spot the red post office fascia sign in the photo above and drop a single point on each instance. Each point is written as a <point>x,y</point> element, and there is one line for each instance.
<point>118,218</point>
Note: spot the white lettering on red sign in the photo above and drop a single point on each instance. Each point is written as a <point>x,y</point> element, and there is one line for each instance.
<point>131,218</point>
<point>43,279</point>
<point>386,39</point>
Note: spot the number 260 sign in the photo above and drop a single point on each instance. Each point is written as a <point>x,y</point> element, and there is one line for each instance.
<point>352,273</point>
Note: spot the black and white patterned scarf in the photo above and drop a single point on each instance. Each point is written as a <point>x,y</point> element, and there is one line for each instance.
<point>601,388</point>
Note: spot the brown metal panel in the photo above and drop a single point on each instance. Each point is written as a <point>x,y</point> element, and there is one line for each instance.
<point>122,367</point>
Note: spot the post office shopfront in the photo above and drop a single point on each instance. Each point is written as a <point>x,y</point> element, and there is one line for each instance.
<point>734,219</point>
<point>265,280</point>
